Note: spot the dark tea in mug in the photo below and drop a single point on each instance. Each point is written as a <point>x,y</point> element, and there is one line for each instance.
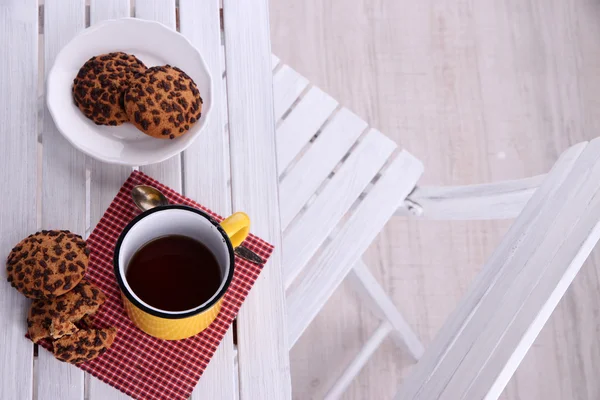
<point>174,273</point>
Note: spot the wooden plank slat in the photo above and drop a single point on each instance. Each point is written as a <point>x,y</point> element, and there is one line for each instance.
<point>167,172</point>
<point>262,345</point>
<point>302,124</point>
<point>101,10</point>
<point>207,174</point>
<point>18,134</point>
<point>306,235</point>
<point>513,264</point>
<point>332,264</point>
<point>310,171</point>
<point>287,86</point>
<point>105,181</point>
<point>63,188</point>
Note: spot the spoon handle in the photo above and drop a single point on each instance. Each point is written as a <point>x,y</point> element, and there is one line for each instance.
<point>248,255</point>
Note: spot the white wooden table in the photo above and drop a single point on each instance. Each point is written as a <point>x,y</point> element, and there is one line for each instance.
<point>52,185</point>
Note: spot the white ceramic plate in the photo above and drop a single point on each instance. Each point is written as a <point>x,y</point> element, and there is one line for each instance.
<point>154,44</point>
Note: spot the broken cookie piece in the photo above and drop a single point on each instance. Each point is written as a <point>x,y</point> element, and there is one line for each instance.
<point>57,318</point>
<point>84,345</point>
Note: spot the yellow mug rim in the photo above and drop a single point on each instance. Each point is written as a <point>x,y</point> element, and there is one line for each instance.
<point>156,312</point>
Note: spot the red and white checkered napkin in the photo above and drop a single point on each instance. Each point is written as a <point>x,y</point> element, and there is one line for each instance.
<point>138,364</point>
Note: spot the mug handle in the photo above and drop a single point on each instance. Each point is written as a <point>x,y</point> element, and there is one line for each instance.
<point>237,227</point>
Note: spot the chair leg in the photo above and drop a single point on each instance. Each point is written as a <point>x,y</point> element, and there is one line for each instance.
<point>372,292</point>
<point>359,361</point>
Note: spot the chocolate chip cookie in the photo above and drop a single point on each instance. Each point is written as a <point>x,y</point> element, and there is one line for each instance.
<point>47,264</point>
<point>84,345</point>
<point>57,317</point>
<point>164,102</point>
<point>100,84</point>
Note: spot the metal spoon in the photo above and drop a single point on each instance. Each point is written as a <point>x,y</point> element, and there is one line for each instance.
<point>146,197</point>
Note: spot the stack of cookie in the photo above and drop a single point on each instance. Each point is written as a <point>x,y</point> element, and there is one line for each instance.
<point>163,102</point>
<point>49,267</point>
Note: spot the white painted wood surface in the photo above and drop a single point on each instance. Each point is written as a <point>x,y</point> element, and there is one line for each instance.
<point>262,342</point>
<point>312,289</point>
<point>105,180</point>
<point>302,181</point>
<point>206,177</point>
<point>302,240</point>
<point>19,173</point>
<point>163,11</point>
<point>287,86</point>
<point>63,189</point>
<point>487,336</point>
<point>498,200</point>
<point>302,124</point>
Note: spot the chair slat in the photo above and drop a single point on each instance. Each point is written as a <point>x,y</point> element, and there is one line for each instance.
<point>163,11</point>
<point>18,134</point>
<point>223,108</point>
<point>307,234</point>
<point>487,336</point>
<point>287,86</point>
<point>323,275</point>
<point>206,164</point>
<point>63,188</point>
<point>302,124</point>
<point>222,56</point>
<point>311,170</point>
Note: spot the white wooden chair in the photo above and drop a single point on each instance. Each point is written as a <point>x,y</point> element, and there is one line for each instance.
<point>480,346</point>
<point>341,181</point>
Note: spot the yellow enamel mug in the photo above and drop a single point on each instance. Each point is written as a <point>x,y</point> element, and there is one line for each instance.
<point>161,221</point>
